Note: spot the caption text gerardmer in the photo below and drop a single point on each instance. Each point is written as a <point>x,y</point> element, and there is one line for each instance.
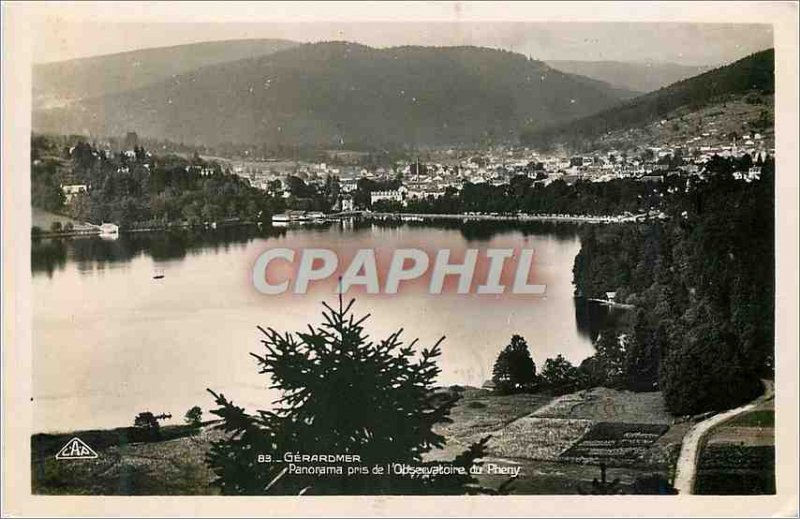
<point>406,265</point>
<point>332,466</point>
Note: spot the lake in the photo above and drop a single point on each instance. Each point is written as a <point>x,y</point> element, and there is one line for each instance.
<point>110,341</point>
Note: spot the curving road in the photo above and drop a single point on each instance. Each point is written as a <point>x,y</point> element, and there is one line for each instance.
<point>687,460</point>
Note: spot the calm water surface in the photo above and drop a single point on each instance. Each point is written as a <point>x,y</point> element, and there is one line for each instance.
<point>110,341</point>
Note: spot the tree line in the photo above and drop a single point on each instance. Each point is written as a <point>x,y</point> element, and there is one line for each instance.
<point>702,284</point>
<point>139,189</point>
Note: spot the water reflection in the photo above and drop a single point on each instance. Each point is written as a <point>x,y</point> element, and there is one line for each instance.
<point>134,343</point>
<point>48,255</point>
<point>474,230</point>
<point>51,254</point>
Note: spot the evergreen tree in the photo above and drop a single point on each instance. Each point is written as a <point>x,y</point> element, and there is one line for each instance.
<point>607,367</point>
<point>643,356</point>
<point>560,375</point>
<point>341,393</point>
<point>704,368</point>
<point>514,368</point>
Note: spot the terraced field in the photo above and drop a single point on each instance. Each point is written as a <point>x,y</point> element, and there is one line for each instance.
<point>560,443</point>
<point>615,444</point>
<point>738,457</point>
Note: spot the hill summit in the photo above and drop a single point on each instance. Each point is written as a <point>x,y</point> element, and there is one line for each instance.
<point>337,93</point>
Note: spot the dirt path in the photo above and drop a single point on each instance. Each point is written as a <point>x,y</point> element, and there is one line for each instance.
<point>686,468</point>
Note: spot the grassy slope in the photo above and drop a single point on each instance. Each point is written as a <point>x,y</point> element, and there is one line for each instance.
<point>718,120</point>
<point>126,465</point>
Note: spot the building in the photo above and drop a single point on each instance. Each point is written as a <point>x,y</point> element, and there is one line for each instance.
<point>424,193</point>
<point>754,173</point>
<point>131,140</point>
<point>348,185</point>
<point>347,203</point>
<point>109,228</point>
<point>70,191</point>
<point>651,178</point>
<point>397,195</point>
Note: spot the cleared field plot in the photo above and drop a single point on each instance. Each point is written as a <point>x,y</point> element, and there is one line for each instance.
<point>665,451</point>
<point>750,436</point>
<point>616,444</point>
<point>736,470</point>
<point>609,405</point>
<point>738,456</point>
<point>479,413</point>
<point>537,438</point>
<point>560,442</point>
<point>759,418</point>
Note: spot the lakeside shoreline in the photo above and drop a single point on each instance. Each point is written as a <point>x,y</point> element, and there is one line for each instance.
<point>511,218</point>
<point>96,232</point>
<point>367,215</point>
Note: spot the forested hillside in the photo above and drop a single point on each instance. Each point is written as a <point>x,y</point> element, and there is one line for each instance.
<point>703,287</point>
<point>754,73</point>
<point>345,94</point>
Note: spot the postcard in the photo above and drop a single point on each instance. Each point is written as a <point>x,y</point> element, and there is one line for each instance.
<point>410,259</point>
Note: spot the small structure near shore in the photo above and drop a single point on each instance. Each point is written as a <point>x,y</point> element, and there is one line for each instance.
<point>109,229</point>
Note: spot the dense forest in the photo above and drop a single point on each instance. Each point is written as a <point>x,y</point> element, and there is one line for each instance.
<point>699,288</point>
<point>142,190</point>
<point>753,73</point>
<point>702,285</point>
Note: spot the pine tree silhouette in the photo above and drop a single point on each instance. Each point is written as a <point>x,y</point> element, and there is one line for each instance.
<point>341,393</point>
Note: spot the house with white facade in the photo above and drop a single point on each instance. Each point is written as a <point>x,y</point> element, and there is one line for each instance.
<point>72,190</point>
<point>397,195</point>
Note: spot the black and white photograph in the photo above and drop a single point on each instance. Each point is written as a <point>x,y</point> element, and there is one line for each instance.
<point>448,256</point>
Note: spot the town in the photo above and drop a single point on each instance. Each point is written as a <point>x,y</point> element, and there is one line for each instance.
<point>399,183</point>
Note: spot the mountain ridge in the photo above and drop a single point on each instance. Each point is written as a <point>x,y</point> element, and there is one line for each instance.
<point>751,73</point>
<point>65,81</point>
<point>330,92</point>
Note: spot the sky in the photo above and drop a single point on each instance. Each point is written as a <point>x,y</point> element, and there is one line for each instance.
<point>684,43</point>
